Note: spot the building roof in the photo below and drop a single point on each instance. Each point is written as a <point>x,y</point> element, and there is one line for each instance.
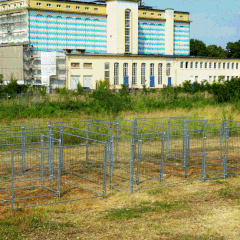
<point>142,55</point>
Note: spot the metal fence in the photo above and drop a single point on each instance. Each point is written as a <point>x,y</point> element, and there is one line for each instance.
<point>58,162</point>
<point>46,171</point>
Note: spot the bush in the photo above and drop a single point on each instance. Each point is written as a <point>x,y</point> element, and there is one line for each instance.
<point>79,89</point>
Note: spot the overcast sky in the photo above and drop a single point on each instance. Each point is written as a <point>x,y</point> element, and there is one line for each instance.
<point>213,21</point>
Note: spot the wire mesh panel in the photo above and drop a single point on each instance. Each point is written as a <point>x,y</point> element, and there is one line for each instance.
<point>194,156</point>
<point>80,180</point>
<point>174,162</point>
<point>148,167</point>
<point>39,183</point>
<point>232,151</point>
<point>214,156</point>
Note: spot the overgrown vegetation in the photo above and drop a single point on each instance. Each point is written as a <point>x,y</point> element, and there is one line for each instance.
<point>105,101</point>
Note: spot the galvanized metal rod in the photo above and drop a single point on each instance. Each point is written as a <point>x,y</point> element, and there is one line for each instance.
<point>42,159</point>
<point>87,145</point>
<point>12,173</point>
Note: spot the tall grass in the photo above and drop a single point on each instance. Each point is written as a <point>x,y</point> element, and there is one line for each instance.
<point>187,96</point>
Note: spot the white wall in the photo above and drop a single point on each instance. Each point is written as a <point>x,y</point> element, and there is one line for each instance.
<point>116,26</point>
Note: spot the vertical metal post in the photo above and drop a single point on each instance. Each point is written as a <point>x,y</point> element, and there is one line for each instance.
<point>116,142</point>
<point>36,98</point>
<point>204,156</point>
<point>7,97</point>
<point>62,144</point>
<point>226,138</point>
<point>221,140</point>
<point>109,140</point>
<point>185,149</point>
<point>59,168</point>
<point>23,148</point>
<point>105,171</point>
<point>168,135</point>
<point>139,159</point>
<point>51,154</point>
<point>87,145</point>
<point>12,173</point>
<point>162,157</point>
<point>111,161</point>
<point>131,165</point>
<point>42,158</point>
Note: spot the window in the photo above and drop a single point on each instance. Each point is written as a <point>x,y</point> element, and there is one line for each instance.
<point>159,15</point>
<point>181,65</point>
<point>107,72</point>
<point>151,69</point>
<point>236,65</point>
<point>181,17</point>
<point>196,78</point>
<point>77,8</point>
<point>201,64</point>
<point>205,64</point>
<point>125,69</point>
<point>210,65</point>
<point>38,4</point>
<point>228,65</point>
<point>223,78</point>
<point>186,64</point>
<point>168,70</point>
<point>232,65</point>
<point>227,77</point>
<point>86,8</point>
<point>224,65</point>
<point>107,66</point>
<point>160,73</point>
<point>210,79</point>
<point>116,73</point>
<point>134,73</point>
<point>127,30</point>
<point>48,5</point>
<point>58,6</point>
<point>95,9</point>
<point>196,64</point>
<point>68,6</point>
<point>144,13</point>
<point>174,16</point>
<point>143,73</point>
<point>87,65</point>
<point>219,65</point>
<point>75,65</point>
<point>215,65</point>
<point>152,14</point>
<point>191,65</point>
<point>214,78</point>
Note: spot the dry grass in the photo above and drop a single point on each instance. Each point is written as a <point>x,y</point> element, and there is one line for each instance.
<point>192,210</point>
<point>185,211</point>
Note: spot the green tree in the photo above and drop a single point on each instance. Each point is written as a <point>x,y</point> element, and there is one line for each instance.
<point>198,48</point>
<point>233,49</point>
<point>215,51</point>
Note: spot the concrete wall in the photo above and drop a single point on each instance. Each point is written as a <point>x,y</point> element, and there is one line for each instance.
<point>11,62</point>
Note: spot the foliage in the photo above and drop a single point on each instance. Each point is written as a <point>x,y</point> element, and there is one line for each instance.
<point>197,48</point>
<point>79,89</point>
<point>233,49</point>
<point>216,51</point>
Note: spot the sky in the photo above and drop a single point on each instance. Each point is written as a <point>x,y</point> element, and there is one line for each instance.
<point>213,21</point>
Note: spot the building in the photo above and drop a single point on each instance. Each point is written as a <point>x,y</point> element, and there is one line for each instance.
<point>54,43</point>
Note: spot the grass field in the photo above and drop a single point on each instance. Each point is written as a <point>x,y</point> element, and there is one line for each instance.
<point>192,210</point>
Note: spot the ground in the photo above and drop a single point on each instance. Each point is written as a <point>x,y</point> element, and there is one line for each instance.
<point>193,210</point>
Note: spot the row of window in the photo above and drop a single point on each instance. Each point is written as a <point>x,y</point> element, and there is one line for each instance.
<point>134,72</point>
<point>214,78</point>
<point>159,15</point>
<point>68,6</point>
<point>209,65</point>
<point>77,65</point>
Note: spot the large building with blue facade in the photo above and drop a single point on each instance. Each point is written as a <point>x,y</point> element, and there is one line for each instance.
<point>53,43</point>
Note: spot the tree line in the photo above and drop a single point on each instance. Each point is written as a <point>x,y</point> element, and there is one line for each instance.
<point>199,48</point>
